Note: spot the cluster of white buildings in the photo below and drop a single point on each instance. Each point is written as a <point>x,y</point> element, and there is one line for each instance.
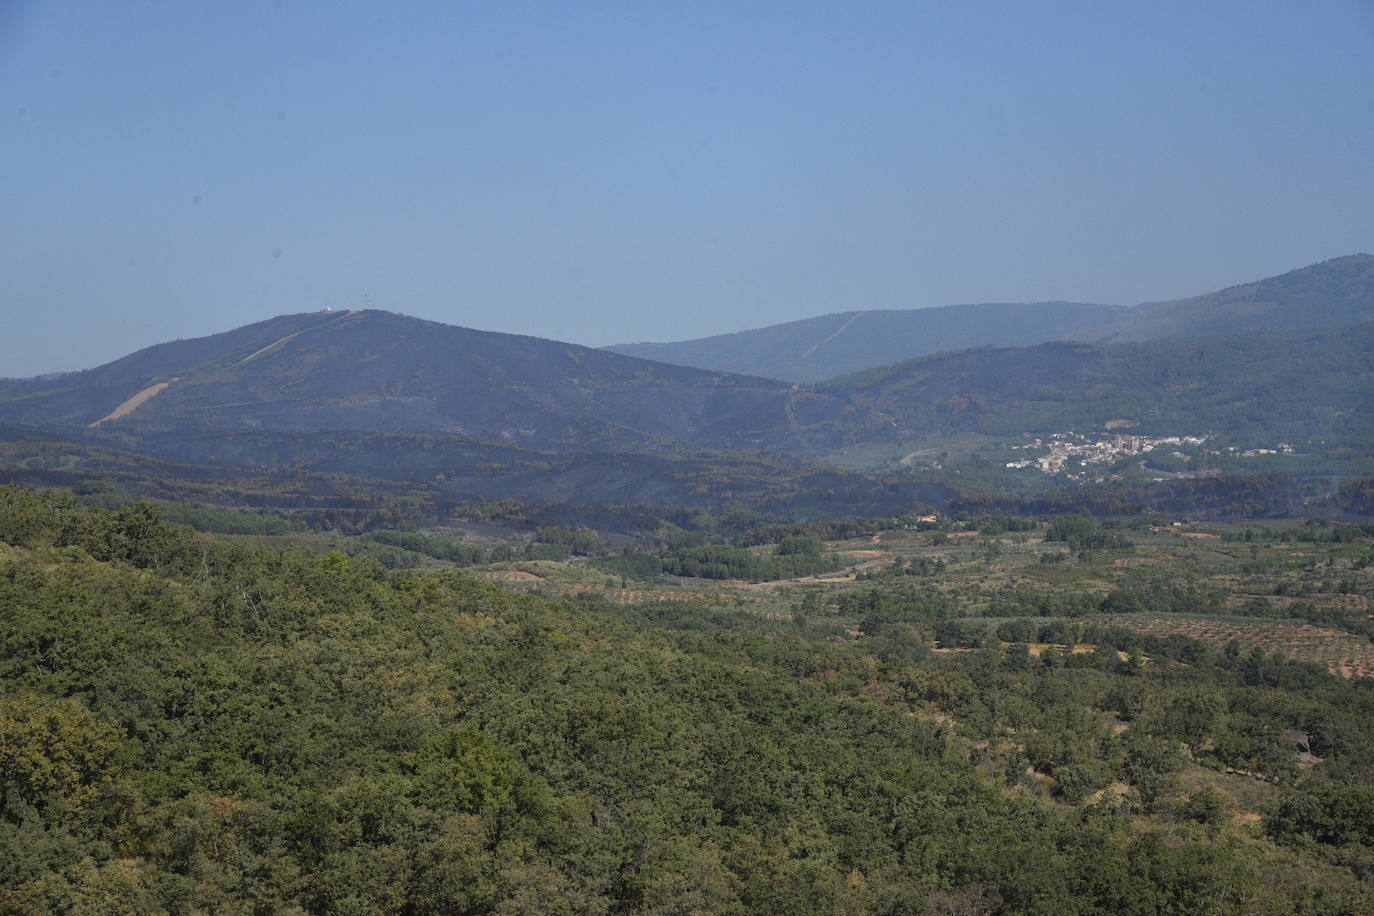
<point>1065,447</point>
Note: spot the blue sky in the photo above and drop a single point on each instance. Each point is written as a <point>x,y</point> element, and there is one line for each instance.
<point>608,172</point>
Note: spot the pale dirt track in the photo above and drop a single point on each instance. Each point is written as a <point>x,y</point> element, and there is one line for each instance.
<point>135,402</point>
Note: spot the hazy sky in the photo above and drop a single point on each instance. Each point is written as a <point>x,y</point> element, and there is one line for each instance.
<point>607,172</point>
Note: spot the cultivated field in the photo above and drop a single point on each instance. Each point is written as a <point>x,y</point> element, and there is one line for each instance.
<point>1255,583</point>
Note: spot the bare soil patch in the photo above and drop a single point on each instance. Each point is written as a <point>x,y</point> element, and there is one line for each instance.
<point>509,575</point>
<point>135,402</point>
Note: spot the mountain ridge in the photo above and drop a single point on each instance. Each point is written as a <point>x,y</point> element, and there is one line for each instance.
<point>390,375</point>
<point>814,349</point>
<point>1255,383</point>
<point>385,372</point>
<point>377,394</point>
<point>1331,293</point>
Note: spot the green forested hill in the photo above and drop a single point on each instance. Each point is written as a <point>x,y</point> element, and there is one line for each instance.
<point>194,726</point>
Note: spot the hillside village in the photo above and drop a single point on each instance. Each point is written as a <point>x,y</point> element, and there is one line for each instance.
<point>1066,446</point>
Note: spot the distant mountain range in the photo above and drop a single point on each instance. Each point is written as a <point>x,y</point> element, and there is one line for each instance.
<point>815,349</point>
<point>1330,294</point>
<point>1253,385</point>
<point>477,414</point>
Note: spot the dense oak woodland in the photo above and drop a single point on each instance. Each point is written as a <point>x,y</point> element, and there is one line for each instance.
<point>194,725</point>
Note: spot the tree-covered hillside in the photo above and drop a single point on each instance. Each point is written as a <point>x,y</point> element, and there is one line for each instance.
<point>191,725</point>
<point>1262,385</point>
